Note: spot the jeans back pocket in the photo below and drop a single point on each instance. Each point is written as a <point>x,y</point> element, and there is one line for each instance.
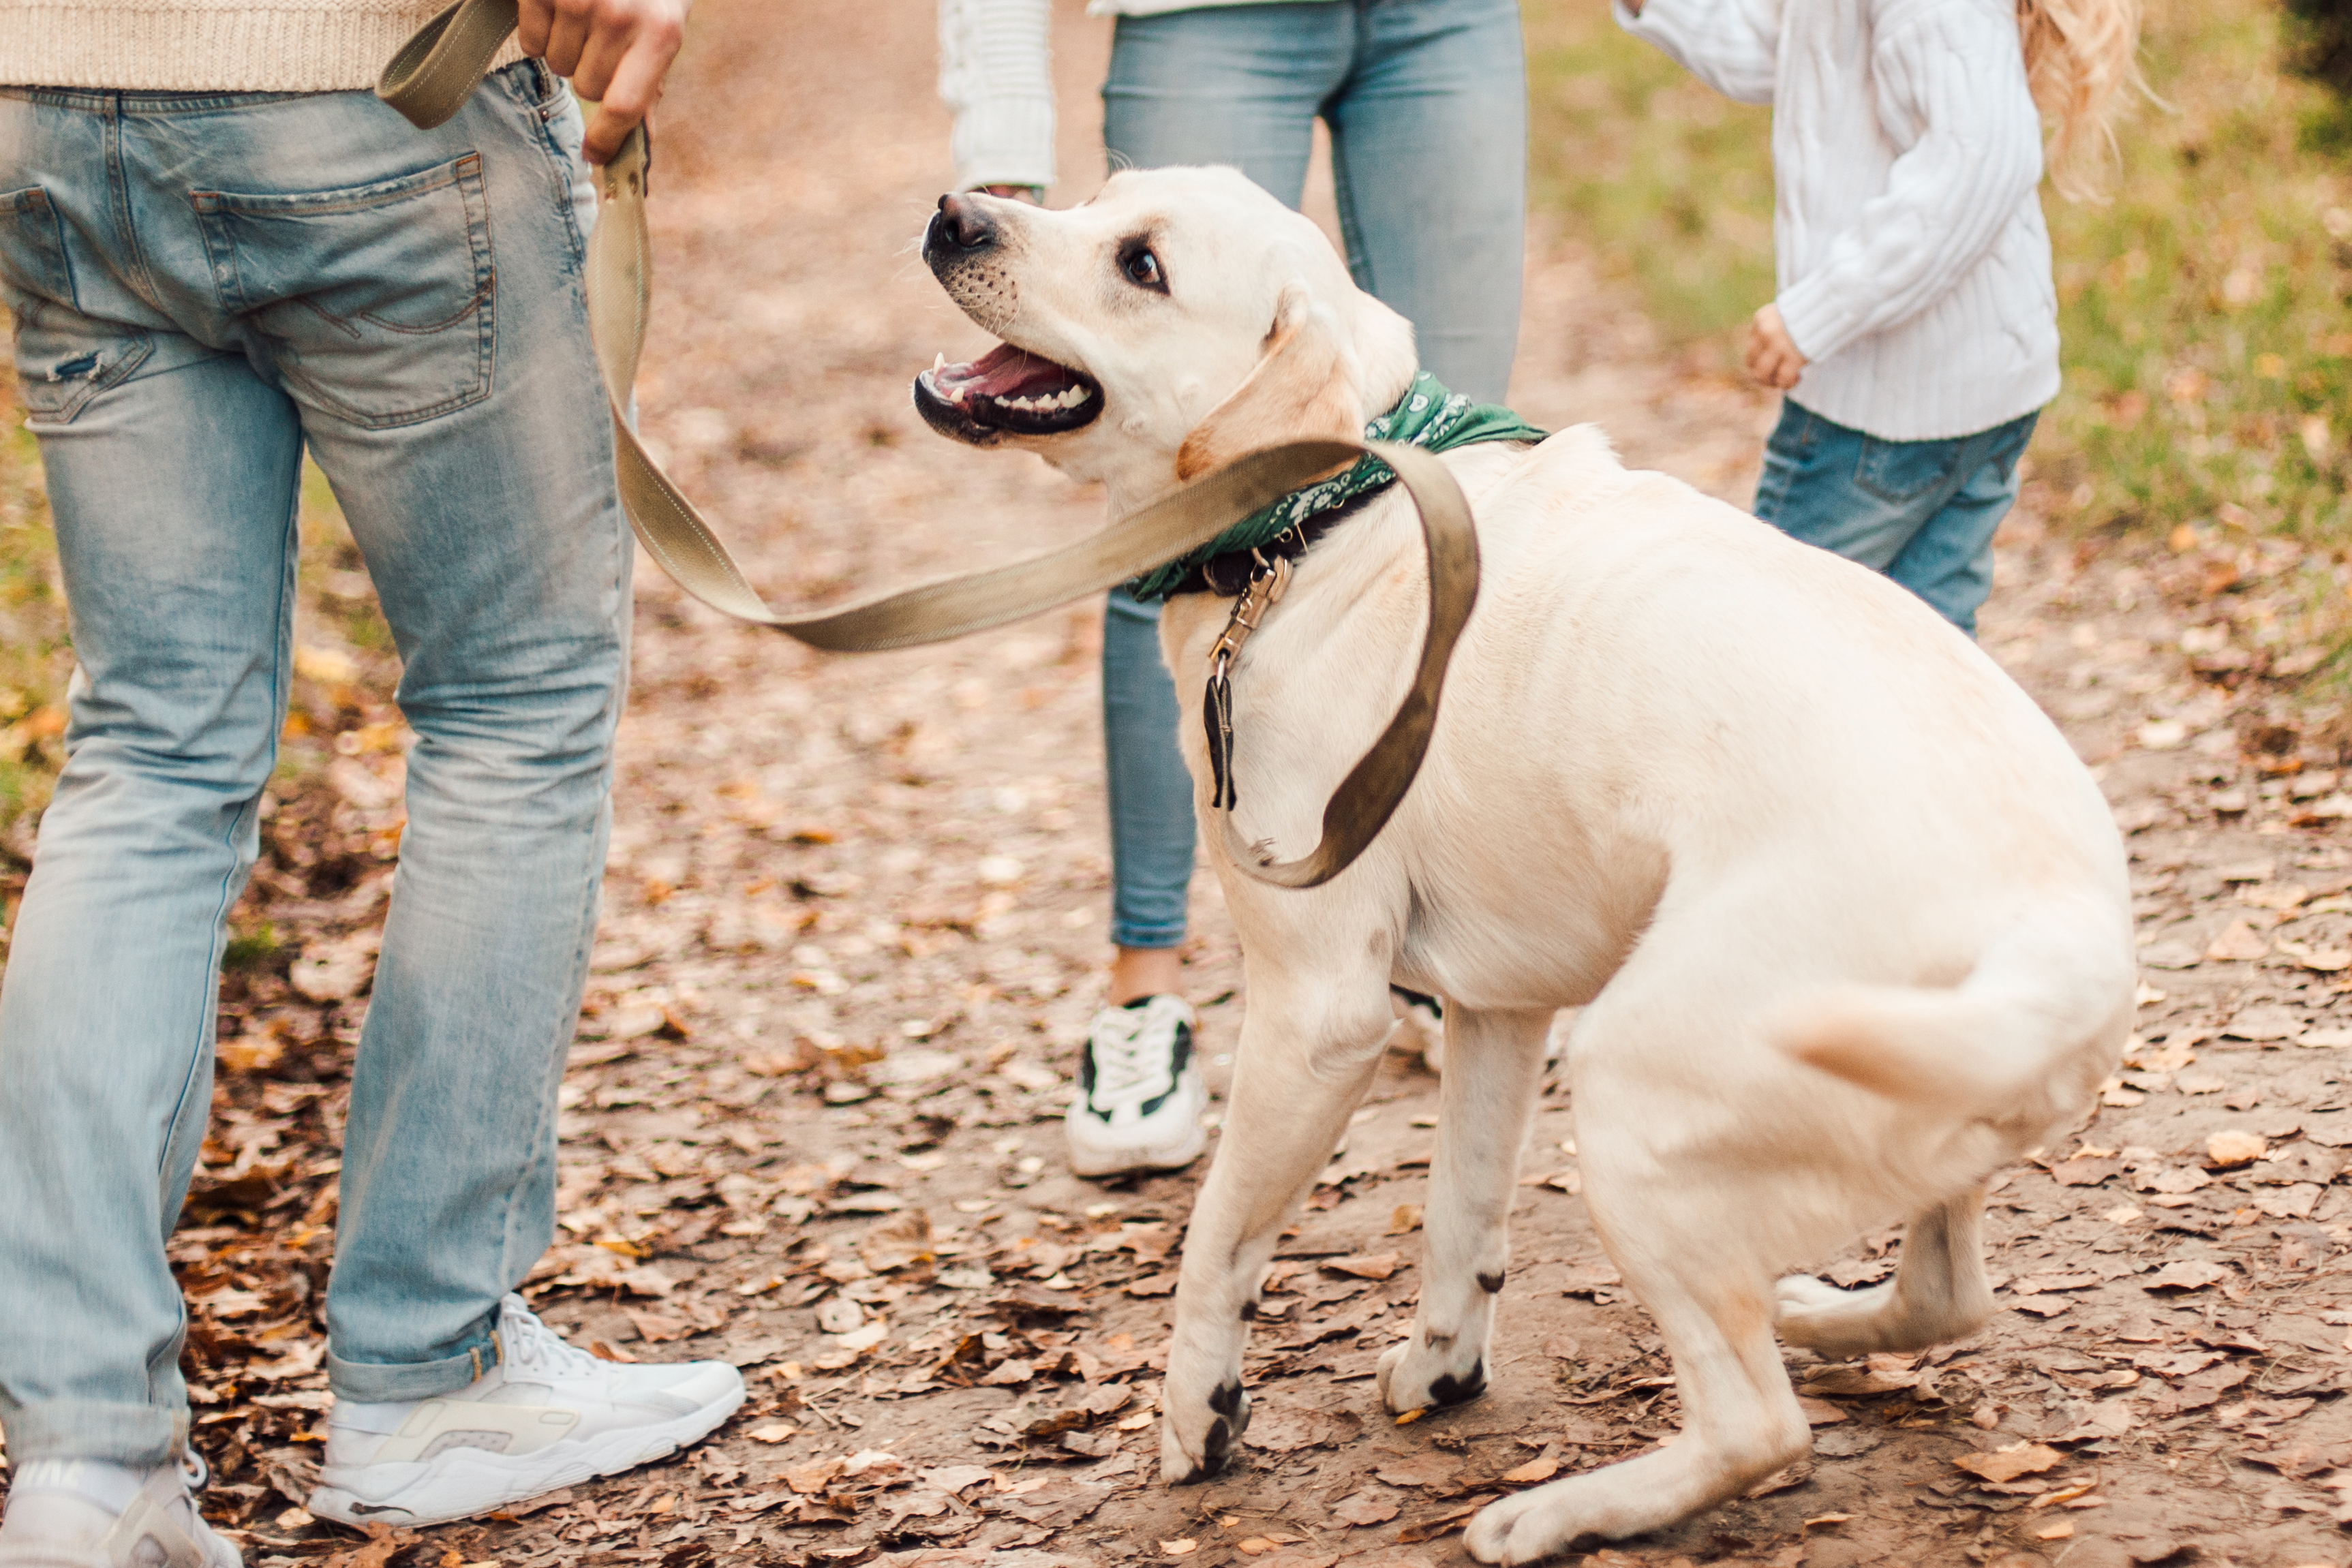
<point>376,300</point>
<point>1903,471</point>
<point>33,264</point>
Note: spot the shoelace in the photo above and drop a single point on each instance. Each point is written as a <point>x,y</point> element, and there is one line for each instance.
<point>1127,1072</point>
<point>528,1342</point>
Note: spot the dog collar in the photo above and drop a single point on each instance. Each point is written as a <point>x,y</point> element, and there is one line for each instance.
<point>1427,415</point>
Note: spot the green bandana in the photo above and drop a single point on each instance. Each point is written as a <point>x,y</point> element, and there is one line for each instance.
<point>1427,415</point>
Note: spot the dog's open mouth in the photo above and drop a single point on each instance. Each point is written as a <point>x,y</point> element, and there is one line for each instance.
<point>1005,391</point>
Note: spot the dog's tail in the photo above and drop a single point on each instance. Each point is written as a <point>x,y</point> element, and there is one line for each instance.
<point>2024,1039</point>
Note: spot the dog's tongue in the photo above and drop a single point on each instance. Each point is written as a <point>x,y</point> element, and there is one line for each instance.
<point>1006,372</point>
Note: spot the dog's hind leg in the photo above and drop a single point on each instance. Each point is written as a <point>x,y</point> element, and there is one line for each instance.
<point>1713,1304</point>
<point>1938,1291</point>
<point>1308,1050</point>
<point>1494,1062</point>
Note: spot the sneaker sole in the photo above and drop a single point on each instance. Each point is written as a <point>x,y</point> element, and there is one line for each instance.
<point>465,1482</point>
<point>1168,1158</point>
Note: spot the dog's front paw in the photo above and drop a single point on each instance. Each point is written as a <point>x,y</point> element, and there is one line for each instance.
<point>1427,1370</point>
<point>1528,1527</point>
<point>1197,1436</point>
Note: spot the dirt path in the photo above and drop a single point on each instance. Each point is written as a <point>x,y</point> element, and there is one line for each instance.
<point>853,934</point>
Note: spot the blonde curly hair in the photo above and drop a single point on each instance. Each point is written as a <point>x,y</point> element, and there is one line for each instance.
<point>2080,56</point>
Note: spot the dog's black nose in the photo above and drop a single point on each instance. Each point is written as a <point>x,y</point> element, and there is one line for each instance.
<point>962,225</point>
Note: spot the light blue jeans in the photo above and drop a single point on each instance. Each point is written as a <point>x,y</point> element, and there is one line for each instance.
<point>1427,105</point>
<point>1923,512</point>
<point>203,286</point>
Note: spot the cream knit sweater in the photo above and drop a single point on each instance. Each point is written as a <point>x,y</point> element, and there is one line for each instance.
<point>208,45</point>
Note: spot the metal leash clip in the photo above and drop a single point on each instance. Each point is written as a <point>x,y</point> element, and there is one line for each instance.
<point>1263,591</point>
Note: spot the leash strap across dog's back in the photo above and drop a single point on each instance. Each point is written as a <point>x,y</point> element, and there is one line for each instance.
<point>429,80</point>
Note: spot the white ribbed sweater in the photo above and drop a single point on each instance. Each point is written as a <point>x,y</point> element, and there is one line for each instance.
<point>208,45</point>
<point>1906,153</point>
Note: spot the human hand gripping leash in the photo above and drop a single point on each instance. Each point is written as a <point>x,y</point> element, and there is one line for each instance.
<point>430,78</point>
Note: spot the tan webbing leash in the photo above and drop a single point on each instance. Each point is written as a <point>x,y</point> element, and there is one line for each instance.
<point>431,78</point>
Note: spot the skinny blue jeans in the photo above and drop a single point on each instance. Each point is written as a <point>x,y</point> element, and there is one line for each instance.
<point>203,286</point>
<point>1923,512</point>
<point>1427,103</point>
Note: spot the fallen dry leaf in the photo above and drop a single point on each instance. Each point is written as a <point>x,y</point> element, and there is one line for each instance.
<point>1419,1470</point>
<point>2185,1274</point>
<point>1445,1523</point>
<point>2008,1464</point>
<point>814,1477</point>
<point>1531,1472</point>
<point>2231,1148</point>
<point>1781,1481</point>
<point>2241,943</point>
<point>1359,1509</point>
<point>1854,1382</point>
<point>1182,1548</point>
<point>897,1243</point>
<point>1406,1218</point>
<point>1372,1266</point>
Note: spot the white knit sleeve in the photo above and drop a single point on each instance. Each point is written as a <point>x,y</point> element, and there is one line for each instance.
<point>996,72</point>
<point>1733,46</point>
<point>1951,93</point>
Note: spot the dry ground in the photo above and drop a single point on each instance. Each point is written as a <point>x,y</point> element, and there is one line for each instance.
<point>853,934</point>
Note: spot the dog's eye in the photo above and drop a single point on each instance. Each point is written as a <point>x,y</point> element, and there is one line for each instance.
<point>1142,269</point>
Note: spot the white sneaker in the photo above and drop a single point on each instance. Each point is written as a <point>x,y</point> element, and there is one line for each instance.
<point>1139,1096</point>
<point>1420,1026</point>
<point>546,1417</point>
<point>88,1513</point>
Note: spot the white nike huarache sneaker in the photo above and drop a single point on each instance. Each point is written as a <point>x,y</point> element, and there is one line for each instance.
<point>88,1513</point>
<point>1139,1096</point>
<point>546,1417</point>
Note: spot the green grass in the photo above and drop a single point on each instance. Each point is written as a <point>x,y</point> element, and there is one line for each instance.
<point>2208,349</point>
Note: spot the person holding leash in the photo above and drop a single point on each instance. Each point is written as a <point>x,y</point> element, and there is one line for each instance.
<point>1426,105</point>
<point>1915,332</point>
<point>220,252</point>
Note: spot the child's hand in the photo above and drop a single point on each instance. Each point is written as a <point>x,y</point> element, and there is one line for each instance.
<point>1773,356</point>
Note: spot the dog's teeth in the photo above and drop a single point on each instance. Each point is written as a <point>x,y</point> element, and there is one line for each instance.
<point>938,364</point>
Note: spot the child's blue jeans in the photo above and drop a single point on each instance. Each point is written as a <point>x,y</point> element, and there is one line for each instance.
<point>1923,512</point>
<point>1427,100</point>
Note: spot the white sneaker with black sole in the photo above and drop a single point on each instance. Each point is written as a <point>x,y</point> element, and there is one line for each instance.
<point>1139,1095</point>
<point>88,1514</point>
<point>546,1417</point>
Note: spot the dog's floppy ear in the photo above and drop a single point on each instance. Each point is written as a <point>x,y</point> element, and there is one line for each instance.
<point>1305,383</point>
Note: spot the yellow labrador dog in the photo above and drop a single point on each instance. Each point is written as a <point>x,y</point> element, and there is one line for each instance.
<point>1847,919</point>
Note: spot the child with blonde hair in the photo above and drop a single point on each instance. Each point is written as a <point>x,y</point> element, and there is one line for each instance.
<point>1916,330</point>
